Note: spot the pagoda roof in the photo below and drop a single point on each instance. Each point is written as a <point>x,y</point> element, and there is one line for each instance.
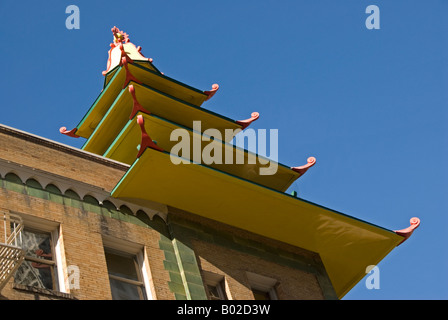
<point>143,63</point>
<point>131,122</point>
<point>120,48</point>
<point>346,244</point>
<point>154,80</point>
<point>140,97</point>
<point>125,149</point>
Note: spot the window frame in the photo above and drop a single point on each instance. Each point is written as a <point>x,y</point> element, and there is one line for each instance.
<point>40,225</point>
<point>138,252</point>
<point>139,282</point>
<point>215,280</point>
<point>263,284</point>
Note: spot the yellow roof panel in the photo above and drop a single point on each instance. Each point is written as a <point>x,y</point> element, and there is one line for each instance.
<point>168,85</point>
<point>120,77</point>
<point>144,63</point>
<point>110,125</point>
<point>153,101</point>
<point>102,103</point>
<point>177,111</point>
<point>346,245</point>
<point>125,149</point>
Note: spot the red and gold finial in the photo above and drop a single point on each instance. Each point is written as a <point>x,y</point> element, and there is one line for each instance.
<point>119,36</point>
<point>122,51</point>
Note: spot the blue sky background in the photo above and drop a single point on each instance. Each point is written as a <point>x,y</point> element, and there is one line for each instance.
<point>370,105</point>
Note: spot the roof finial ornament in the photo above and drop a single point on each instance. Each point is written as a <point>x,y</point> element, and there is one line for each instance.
<point>119,37</point>
<point>122,47</point>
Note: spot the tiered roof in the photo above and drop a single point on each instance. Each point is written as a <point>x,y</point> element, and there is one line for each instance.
<point>131,122</point>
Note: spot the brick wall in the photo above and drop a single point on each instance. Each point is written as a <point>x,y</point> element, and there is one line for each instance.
<point>81,225</point>
<point>232,252</point>
<point>59,159</point>
<point>177,252</point>
<point>81,236</point>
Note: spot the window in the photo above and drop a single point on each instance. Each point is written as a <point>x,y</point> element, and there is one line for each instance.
<point>128,269</point>
<point>214,286</point>
<point>263,288</point>
<point>261,295</point>
<point>216,292</point>
<point>39,269</point>
<point>125,279</point>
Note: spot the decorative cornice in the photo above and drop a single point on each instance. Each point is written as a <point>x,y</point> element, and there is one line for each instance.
<point>45,178</point>
<point>407,232</point>
<point>245,123</point>
<point>61,147</point>
<point>311,161</point>
<point>82,189</point>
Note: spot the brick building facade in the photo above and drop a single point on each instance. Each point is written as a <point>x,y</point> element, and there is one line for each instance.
<point>65,192</point>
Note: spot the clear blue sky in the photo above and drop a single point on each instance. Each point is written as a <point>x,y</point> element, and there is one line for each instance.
<point>370,105</point>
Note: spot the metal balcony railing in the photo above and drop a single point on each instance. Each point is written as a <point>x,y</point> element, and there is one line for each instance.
<point>11,252</point>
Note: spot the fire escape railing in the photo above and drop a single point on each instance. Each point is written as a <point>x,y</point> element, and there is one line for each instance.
<point>11,252</point>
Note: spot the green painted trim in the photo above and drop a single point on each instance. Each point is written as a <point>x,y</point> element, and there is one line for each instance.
<point>171,265</point>
<point>12,182</point>
<point>71,199</point>
<point>189,271</point>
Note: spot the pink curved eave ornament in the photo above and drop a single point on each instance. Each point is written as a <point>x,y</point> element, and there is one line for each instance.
<point>139,49</point>
<point>146,141</point>
<point>311,161</point>
<point>70,133</point>
<point>245,123</point>
<point>406,233</point>
<point>212,92</point>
